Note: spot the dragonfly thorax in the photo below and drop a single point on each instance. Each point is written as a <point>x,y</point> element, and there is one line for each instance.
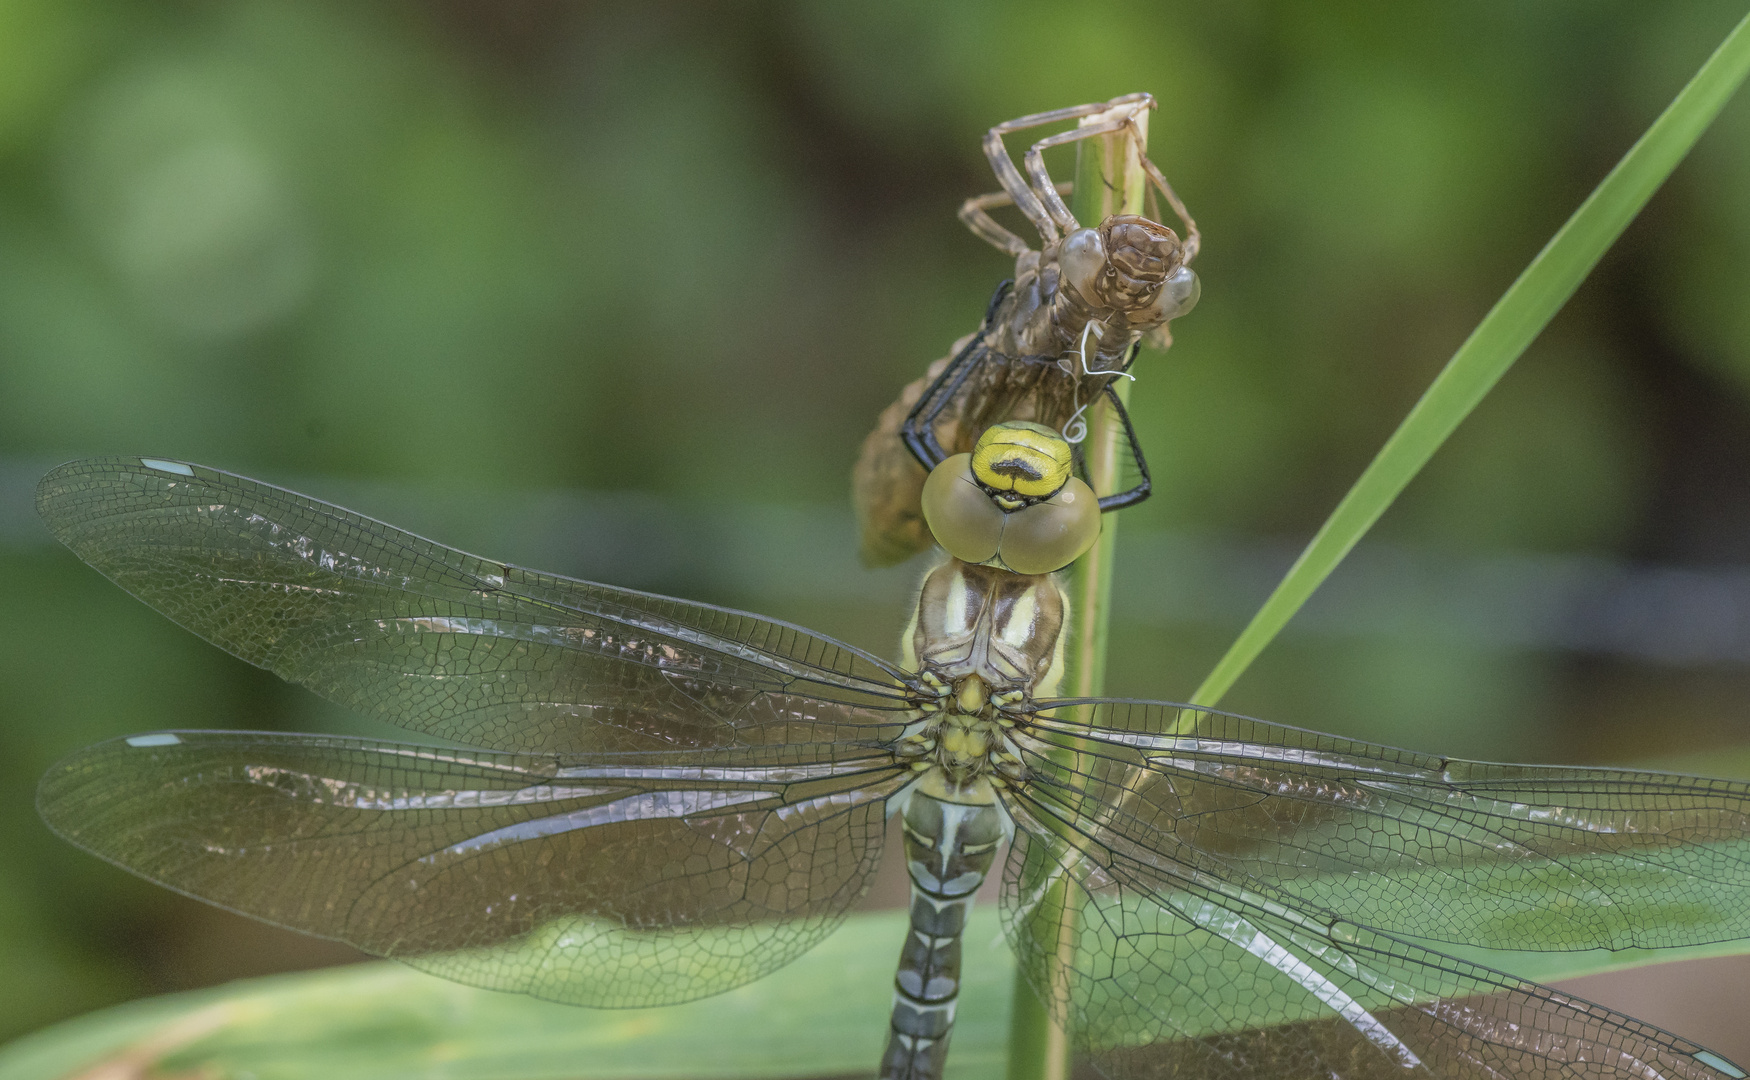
<point>983,621</point>
<point>961,738</point>
<point>984,642</point>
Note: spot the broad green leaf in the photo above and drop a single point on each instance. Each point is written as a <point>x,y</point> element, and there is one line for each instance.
<point>826,1014</point>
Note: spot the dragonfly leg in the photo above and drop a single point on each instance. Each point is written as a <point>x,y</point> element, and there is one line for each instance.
<point>888,480</point>
<point>1033,201</point>
<point>1193,238</point>
<point>1042,183</point>
<point>975,215</point>
<point>919,430</point>
<point>1140,491</point>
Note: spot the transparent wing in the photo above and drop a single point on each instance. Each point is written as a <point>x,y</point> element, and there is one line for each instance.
<point>1505,856</point>
<point>1162,976</point>
<point>622,880</point>
<point>445,643</point>
<point>1206,895</point>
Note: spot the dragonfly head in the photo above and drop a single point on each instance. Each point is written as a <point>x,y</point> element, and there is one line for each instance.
<point>1013,502</point>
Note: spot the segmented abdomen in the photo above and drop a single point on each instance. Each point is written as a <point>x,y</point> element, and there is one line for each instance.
<point>949,848</point>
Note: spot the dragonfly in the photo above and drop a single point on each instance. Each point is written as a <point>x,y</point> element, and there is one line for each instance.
<point>626,799</point>
<point>1053,340</point>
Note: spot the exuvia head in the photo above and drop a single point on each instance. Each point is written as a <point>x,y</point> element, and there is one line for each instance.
<point>1013,502</point>
<point>1140,255</point>
<point>1129,264</point>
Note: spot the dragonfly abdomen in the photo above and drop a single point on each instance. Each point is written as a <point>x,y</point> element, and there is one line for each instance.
<point>951,840</point>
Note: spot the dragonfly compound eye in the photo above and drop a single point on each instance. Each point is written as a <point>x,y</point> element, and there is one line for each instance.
<point>1081,259</point>
<point>1048,536</point>
<point>1036,536</point>
<point>965,521</point>
<point>1019,463</point>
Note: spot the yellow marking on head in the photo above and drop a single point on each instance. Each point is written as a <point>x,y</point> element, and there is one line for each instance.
<point>1021,459</point>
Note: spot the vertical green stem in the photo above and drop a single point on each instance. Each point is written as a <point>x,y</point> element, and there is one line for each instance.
<point>1109,180</point>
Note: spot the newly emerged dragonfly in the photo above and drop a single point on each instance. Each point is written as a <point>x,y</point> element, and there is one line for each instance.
<point>1052,341</point>
<point>647,800</point>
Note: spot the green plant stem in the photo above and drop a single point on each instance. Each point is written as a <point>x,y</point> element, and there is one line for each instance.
<point>1109,180</point>
<point>1505,332</point>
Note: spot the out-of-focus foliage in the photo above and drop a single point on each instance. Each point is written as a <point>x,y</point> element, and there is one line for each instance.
<point>388,1022</point>
<point>691,249</point>
<point>1536,296</point>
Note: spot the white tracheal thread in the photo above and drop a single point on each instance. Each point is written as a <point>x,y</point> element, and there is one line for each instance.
<point>1075,422</point>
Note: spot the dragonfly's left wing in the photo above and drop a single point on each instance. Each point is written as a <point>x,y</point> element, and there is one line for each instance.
<point>1240,898</point>
<point>447,643</point>
<point>609,881</point>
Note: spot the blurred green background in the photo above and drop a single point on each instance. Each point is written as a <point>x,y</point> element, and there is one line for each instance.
<point>617,289</point>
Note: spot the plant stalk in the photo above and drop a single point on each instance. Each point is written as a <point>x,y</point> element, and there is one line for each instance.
<point>1109,180</point>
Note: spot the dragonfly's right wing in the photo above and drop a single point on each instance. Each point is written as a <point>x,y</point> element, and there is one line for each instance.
<point>1208,895</point>
<point>1528,857</point>
<point>605,881</point>
<point>1162,976</point>
<point>445,643</point>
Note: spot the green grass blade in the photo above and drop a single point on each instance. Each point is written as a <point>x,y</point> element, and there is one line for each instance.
<point>1510,326</point>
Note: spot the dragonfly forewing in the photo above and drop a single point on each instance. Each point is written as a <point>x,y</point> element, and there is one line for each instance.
<point>445,643</point>
<point>602,882</point>
<point>1524,857</point>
